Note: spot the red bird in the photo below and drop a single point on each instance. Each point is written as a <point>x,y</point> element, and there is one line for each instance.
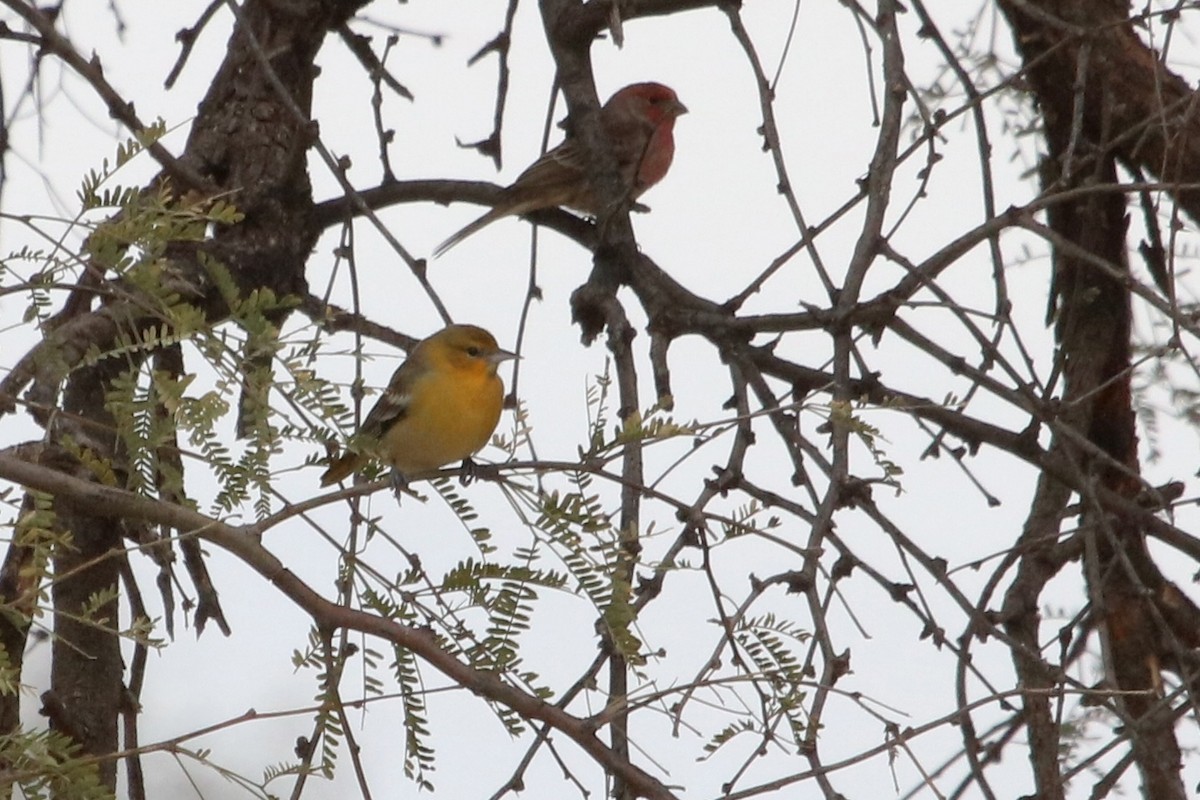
<point>638,121</point>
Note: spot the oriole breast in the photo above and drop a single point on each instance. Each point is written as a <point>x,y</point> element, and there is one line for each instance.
<point>457,417</point>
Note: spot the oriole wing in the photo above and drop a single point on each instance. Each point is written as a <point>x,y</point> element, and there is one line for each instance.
<point>392,406</point>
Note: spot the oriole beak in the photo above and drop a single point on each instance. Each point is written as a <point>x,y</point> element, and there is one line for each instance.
<point>501,355</point>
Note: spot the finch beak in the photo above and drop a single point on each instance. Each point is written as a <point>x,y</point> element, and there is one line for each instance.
<point>501,355</point>
<point>678,109</point>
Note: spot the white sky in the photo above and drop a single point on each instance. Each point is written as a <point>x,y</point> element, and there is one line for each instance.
<point>716,222</point>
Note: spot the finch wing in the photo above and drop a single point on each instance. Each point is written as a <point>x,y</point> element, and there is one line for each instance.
<point>563,164</point>
<point>552,180</point>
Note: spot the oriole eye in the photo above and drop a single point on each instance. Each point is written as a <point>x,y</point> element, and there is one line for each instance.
<point>473,351</point>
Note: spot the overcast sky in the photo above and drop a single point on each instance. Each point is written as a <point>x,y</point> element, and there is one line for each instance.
<point>716,221</point>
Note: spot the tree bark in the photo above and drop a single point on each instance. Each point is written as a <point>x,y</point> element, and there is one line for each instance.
<point>1106,100</point>
<point>249,142</point>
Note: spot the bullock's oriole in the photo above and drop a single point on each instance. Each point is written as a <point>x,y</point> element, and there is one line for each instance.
<point>440,406</point>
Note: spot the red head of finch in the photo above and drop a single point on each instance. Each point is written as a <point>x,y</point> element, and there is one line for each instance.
<point>638,120</point>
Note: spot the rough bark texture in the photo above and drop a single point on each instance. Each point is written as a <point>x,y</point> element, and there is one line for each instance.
<point>250,141</point>
<point>86,668</point>
<point>15,583</point>
<point>1105,100</point>
<point>1133,107</point>
<point>1107,103</point>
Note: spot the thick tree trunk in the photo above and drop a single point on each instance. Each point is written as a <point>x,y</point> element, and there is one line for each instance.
<point>1106,100</point>
<point>249,142</point>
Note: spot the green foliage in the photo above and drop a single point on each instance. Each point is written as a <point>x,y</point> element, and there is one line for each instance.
<point>842,415</point>
<point>484,607</point>
<point>10,675</point>
<point>419,756</point>
<point>727,735</point>
<point>45,764</point>
<point>285,769</point>
<point>475,577</point>
<point>507,596</point>
<point>91,192</point>
<point>778,674</point>
<point>769,642</point>
<point>619,617</point>
<point>744,520</point>
<point>597,407</point>
<point>37,533</point>
<point>1165,385</point>
<point>465,512</point>
<point>158,405</point>
<point>581,534</point>
<point>329,733</point>
<point>654,424</point>
<point>45,270</point>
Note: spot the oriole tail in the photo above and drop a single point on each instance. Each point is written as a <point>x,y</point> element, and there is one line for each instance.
<point>341,468</point>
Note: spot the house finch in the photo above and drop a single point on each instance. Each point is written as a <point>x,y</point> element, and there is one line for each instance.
<point>440,406</point>
<point>638,121</point>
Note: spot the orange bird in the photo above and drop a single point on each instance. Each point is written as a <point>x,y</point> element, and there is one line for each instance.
<point>440,406</point>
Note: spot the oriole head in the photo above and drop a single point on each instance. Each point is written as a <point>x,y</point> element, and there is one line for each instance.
<point>464,347</point>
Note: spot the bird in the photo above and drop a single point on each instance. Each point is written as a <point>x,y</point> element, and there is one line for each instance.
<point>441,405</point>
<point>639,121</point>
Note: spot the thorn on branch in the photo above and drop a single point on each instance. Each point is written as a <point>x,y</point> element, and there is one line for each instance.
<point>691,536</point>
<point>304,748</point>
<point>727,479</point>
<point>615,26</point>
<point>649,587</point>
<point>489,147</point>
<point>839,666</point>
<point>843,567</point>
<point>187,39</point>
<point>360,46</point>
<point>1162,496</point>
<point>60,718</point>
<point>797,582</point>
<point>499,45</point>
<point>853,492</point>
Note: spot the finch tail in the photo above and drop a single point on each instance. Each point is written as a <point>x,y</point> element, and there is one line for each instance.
<point>474,227</point>
<point>341,468</point>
